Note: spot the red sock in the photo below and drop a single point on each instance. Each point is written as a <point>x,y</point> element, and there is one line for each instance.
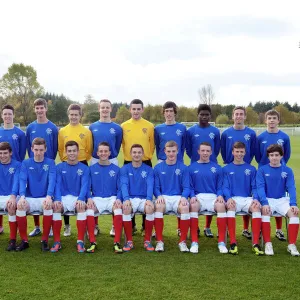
<point>148,230</point>
<point>118,224</point>
<point>96,220</point>
<point>221,224</point>
<point>194,222</point>
<point>266,228</point>
<point>81,228</point>
<point>12,227</point>
<point>256,227</point>
<point>36,221</point>
<point>128,229</point>
<point>178,223</point>
<point>278,222</point>
<point>22,225</point>
<point>246,221</point>
<point>56,225</point>
<point>293,229</point>
<point>47,223</point>
<point>159,226</point>
<point>1,220</point>
<point>231,222</point>
<point>90,221</point>
<point>208,220</point>
<point>184,226</point>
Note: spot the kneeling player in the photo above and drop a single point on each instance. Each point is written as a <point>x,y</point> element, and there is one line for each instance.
<point>70,195</point>
<point>137,192</point>
<point>105,194</point>
<point>273,181</point>
<point>239,189</point>
<point>207,195</point>
<point>171,189</point>
<point>37,183</point>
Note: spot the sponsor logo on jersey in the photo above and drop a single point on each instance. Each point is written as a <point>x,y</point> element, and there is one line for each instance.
<point>163,173</point>
<point>280,142</point>
<point>247,172</point>
<point>177,172</point>
<point>95,130</point>
<point>31,168</point>
<point>230,137</point>
<point>96,173</point>
<point>112,173</point>
<point>64,172</point>
<point>284,174</point>
<point>162,133</point>
<point>145,130</point>
<point>11,170</point>
<point>33,131</point>
<point>79,172</point>
<point>45,167</point>
<point>82,135</point>
<point>267,175</point>
<point>196,135</point>
<point>213,169</point>
<point>49,131</point>
<point>112,131</point>
<point>15,136</point>
<point>144,174</point>
<point>247,137</point>
<point>130,174</point>
<point>212,135</point>
<point>178,132</point>
<point>264,142</point>
<point>196,171</point>
<point>231,173</point>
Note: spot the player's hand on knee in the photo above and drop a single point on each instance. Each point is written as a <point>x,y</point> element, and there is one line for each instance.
<point>57,206</point>
<point>183,201</point>
<point>230,204</point>
<point>80,205</point>
<point>22,203</point>
<point>127,205</point>
<point>266,210</point>
<point>12,203</point>
<point>90,204</point>
<point>295,210</point>
<point>160,200</point>
<point>220,199</point>
<point>255,204</point>
<point>193,200</point>
<point>149,203</point>
<point>48,203</point>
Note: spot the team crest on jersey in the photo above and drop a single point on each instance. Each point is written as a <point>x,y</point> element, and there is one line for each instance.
<point>11,170</point>
<point>145,130</point>
<point>196,135</point>
<point>48,131</point>
<point>211,135</point>
<point>82,135</point>
<point>45,167</point>
<point>112,131</point>
<point>213,169</point>
<point>284,174</point>
<point>178,132</point>
<point>15,136</point>
<point>144,174</point>
<point>79,172</point>
<point>247,137</point>
<point>247,172</point>
<point>162,133</point>
<point>280,142</point>
<point>177,172</point>
<point>112,173</point>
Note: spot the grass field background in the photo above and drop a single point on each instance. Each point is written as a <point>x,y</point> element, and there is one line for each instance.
<point>139,275</point>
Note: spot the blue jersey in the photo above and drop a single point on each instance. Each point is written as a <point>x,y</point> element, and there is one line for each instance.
<point>197,135</point>
<point>9,178</point>
<point>48,131</point>
<point>72,180</point>
<point>107,132</point>
<point>104,181</point>
<point>274,182</point>
<point>265,139</point>
<point>17,140</point>
<point>239,180</point>
<point>37,179</point>
<point>137,182</point>
<point>206,178</point>
<point>230,136</point>
<point>171,180</point>
<point>164,133</point>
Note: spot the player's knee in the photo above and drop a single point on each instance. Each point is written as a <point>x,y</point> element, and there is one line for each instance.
<point>220,207</point>
<point>183,209</point>
<point>159,207</point>
<point>195,207</point>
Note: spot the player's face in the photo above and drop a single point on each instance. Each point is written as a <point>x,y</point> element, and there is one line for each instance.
<point>74,117</point>
<point>204,116</point>
<point>204,152</point>
<point>238,117</point>
<point>5,156</point>
<point>136,111</point>
<point>103,152</point>
<point>238,154</point>
<point>171,153</point>
<point>272,121</point>
<point>72,153</point>
<point>38,151</point>
<point>169,114</point>
<point>7,116</point>
<point>137,154</point>
<point>104,109</point>
<point>275,158</point>
<point>40,111</point>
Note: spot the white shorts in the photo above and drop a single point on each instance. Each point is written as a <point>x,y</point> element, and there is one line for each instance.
<point>172,203</point>
<point>138,205</point>
<point>207,201</point>
<point>69,203</point>
<point>112,160</point>
<point>104,204</point>
<point>281,205</point>
<point>242,203</point>
<point>35,204</point>
<point>3,201</point>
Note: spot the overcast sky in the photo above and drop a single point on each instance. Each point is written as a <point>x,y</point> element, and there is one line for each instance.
<point>157,50</point>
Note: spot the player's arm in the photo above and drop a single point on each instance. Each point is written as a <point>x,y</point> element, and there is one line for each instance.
<point>183,141</point>
<point>52,179</point>
<point>22,149</point>
<point>226,186</point>
<point>55,141</point>
<point>261,187</point>
<point>217,143</point>
<point>157,188</point>
<point>16,180</point>
<point>119,138</point>
<point>253,185</point>
<point>61,144</point>
<point>287,150</point>
<point>85,180</point>
<point>157,143</point>
<point>188,145</point>
<point>223,146</point>
<point>28,143</point>
<point>23,180</point>
<point>192,187</point>
<point>219,182</point>
<point>119,192</point>
<point>253,142</point>
<point>291,188</point>
<point>124,184</point>
<point>257,150</point>
<point>57,194</point>
<point>89,145</point>
<point>150,185</point>
<point>185,181</point>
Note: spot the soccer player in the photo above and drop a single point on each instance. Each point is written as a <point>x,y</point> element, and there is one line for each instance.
<point>45,129</point>
<point>75,131</point>
<point>171,189</point>
<point>105,194</point>
<point>239,189</point>
<point>37,183</point>
<point>197,134</point>
<point>273,136</point>
<point>72,182</point>
<point>239,133</point>
<point>137,192</point>
<point>105,130</point>
<point>206,181</point>
<point>273,181</point>
<point>9,189</point>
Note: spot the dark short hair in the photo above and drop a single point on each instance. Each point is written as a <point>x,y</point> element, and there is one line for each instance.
<point>40,101</point>
<point>137,101</point>
<point>171,144</point>
<point>240,107</point>
<point>39,141</point>
<point>136,146</point>
<point>8,106</point>
<point>71,143</point>
<point>239,145</point>
<point>104,144</point>
<point>5,146</point>
<point>203,107</point>
<point>275,148</point>
<point>75,107</point>
<point>272,112</point>
<point>170,104</point>
<point>205,144</point>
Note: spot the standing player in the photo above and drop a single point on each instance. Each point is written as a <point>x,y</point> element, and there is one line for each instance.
<point>105,194</point>
<point>273,136</point>
<point>75,131</point>
<point>197,134</point>
<point>105,130</point>
<point>137,192</point>
<point>45,129</point>
<point>206,180</point>
<point>37,183</point>
<point>9,189</point>
<point>171,189</point>
<point>239,133</point>
<point>273,181</point>
<point>71,188</point>
<point>239,188</point>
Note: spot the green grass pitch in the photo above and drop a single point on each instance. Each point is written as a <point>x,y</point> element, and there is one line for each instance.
<point>140,275</point>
